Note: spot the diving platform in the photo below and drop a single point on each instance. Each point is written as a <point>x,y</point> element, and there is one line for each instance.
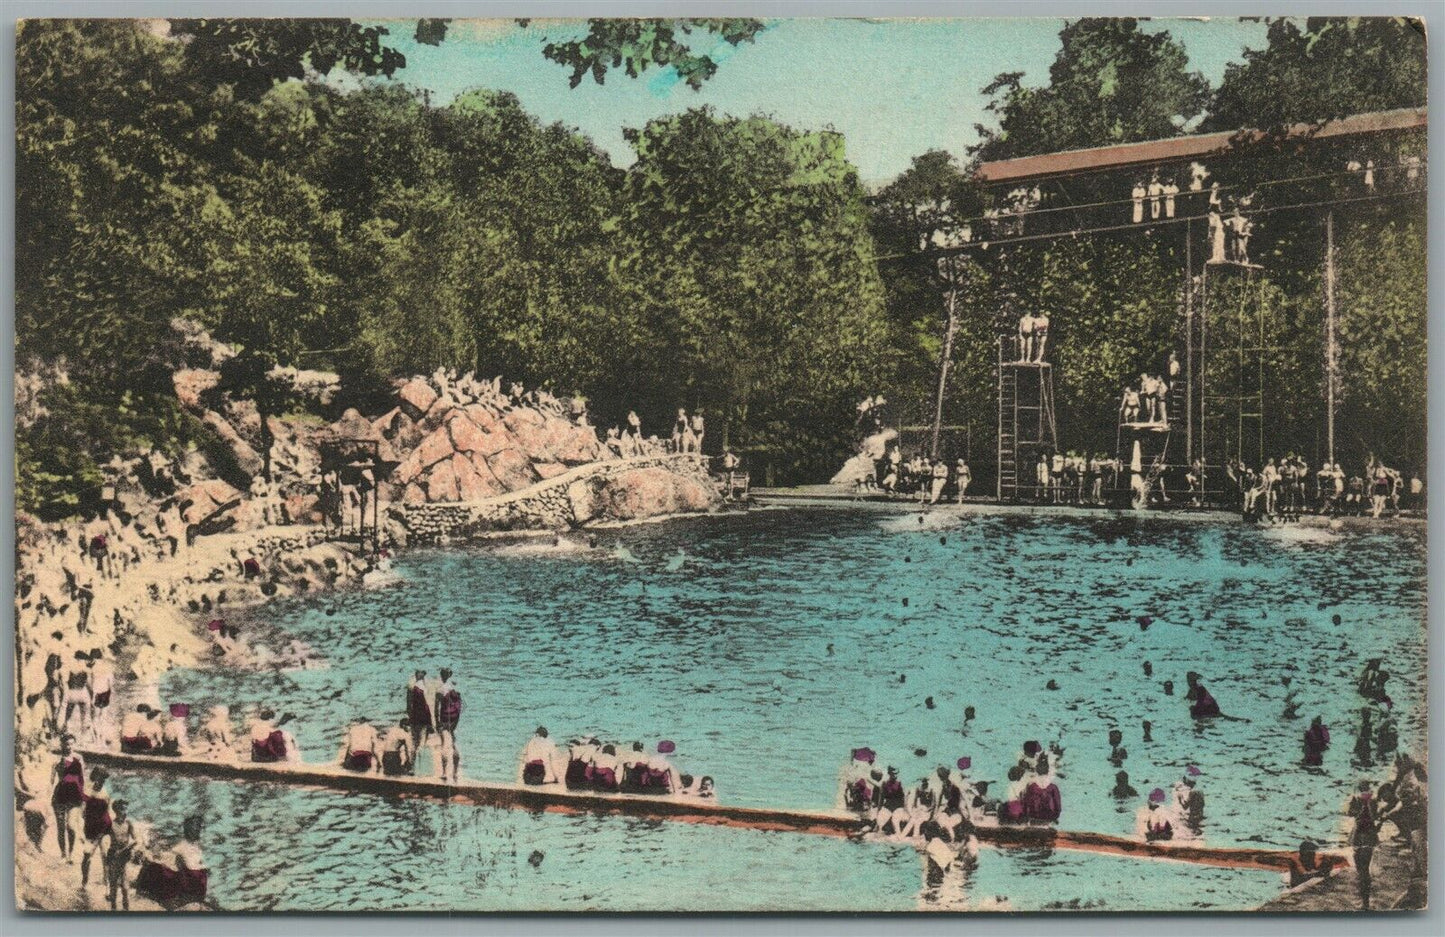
<point>555,798</point>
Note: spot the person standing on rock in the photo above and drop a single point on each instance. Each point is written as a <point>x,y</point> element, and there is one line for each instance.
<point>697,432</point>
<point>680,431</point>
<point>632,440</point>
<point>448,712</point>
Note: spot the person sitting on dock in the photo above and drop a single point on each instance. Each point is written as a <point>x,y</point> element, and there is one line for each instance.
<point>269,742</point>
<point>892,815</point>
<point>538,764</point>
<point>360,749</point>
<point>854,790</point>
<point>398,758</point>
<point>175,740</point>
<point>448,710</point>
<point>139,732</point>
<point>218,735</point>
<point>922,801</point>
<point>1153,823</point>
<point>579,763</point>
<point>607,770</point>
<point>661,776</point>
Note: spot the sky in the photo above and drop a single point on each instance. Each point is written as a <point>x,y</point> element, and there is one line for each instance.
<point>893,88</point>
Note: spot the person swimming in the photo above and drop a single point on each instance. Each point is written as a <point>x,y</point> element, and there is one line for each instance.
<point>1202,704</point>
<point>1316,741</point>
<point>538,764</point>
<point>1123,790</point>
<point>606,770</point>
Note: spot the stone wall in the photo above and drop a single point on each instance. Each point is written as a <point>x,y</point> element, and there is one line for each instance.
<point>617,490</point>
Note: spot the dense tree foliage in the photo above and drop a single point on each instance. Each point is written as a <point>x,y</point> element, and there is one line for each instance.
<point>1111,82</point>
<point>1323,67</point>
<point>201,172</point>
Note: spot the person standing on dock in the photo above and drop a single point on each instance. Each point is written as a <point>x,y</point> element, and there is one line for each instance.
<point>1041,478</point>
<point>1364,837</point>
<point>448,713</point>
<point>940,479</point>
<point>963,477</point>
<point>419,710</point>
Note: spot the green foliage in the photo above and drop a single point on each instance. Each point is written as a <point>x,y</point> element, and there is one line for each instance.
<point>1332,67</point>
<point>635,45</point>
<point>1110,83</point>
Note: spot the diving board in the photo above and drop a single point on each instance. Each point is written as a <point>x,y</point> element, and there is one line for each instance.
<point>553,798</point>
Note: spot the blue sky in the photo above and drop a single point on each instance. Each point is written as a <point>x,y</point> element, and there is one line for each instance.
<point>894,88</point>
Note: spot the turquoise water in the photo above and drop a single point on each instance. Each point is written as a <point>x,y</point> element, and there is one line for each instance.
<point>776,648</point>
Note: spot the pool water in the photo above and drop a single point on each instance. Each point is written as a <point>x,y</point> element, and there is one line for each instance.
<point>785,639</point>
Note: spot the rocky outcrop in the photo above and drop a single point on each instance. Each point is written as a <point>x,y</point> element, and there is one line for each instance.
<point>614,490</point>
<point>864,464</point>
<point>468,443</point>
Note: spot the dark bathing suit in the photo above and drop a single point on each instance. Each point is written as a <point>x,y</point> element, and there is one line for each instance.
<point>70,789</point>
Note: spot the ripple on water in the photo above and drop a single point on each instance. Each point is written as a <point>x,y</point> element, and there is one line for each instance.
<point>773,651</point>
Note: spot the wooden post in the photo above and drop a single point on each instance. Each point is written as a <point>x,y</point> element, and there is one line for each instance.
<point>951,304</point>
<point>1331,355</point>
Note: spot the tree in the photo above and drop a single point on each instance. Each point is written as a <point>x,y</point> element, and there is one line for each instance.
<point>918,218</point>
<point>635,45</point>
<point>1110,83</point>
<point>747,252</point>
<point>1332,67</point>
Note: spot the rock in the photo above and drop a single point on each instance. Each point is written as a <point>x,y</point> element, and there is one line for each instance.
<point>417,397</point>
<point>648,492</point>
<point>582,498</point>
<point>205,497</point>
<point>474,483</point>
<point>512,468</point>
<point>248,460</point>
<point>441,483</point>
<point>548,469</point>
<point>191,383</point>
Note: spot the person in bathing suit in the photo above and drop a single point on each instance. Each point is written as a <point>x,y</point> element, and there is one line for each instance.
<point>139,732</point>
<point>539,761</point>
<point>68,796</point>
<point>96,821</point>
<point>448,712</point>
<point>397,755</point>
<point>892,816</point>
<point>360,750</point>
<point>117,851</point>
<point>269,742</point>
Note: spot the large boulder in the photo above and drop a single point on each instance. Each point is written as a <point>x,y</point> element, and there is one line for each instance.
<point>191,383</point>
<point>417,397</point>
<point>206,498</point>
<point>475,482</point>
<point>652,491</point>
<point>512,468</point>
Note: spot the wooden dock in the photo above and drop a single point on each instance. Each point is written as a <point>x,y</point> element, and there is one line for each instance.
<point>554,798</point>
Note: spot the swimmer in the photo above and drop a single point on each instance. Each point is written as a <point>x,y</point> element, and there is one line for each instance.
<point>539,761</point>
<point>1123,790</point>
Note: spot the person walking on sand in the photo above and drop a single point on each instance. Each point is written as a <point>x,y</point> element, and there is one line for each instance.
<point>448,712</point>
<point>68,797</point>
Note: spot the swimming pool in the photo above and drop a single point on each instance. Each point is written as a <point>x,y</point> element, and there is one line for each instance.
<point>785,639</point>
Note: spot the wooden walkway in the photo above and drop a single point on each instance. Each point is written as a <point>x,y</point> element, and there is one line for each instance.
<point>557,799</point>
